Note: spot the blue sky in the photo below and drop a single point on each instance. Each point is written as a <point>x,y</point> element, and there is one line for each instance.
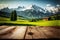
<point>16,3</point>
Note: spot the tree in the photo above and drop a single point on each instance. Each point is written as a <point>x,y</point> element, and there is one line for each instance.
<point>13,16</point>
<point>52,18</point>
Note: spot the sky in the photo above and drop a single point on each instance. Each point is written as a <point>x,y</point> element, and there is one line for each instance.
<point>16,3</point>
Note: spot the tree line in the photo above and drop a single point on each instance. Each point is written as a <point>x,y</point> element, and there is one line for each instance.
<point>53,17</point>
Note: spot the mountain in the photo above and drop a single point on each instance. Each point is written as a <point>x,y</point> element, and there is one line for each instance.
<point>4,14</point>
<point>33,7</point>
<point>30,12</point>
<point>6,10</point>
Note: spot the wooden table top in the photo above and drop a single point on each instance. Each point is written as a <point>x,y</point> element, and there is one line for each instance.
<point>28,32</point>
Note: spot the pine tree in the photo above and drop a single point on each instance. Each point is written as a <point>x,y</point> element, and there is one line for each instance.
<point>13,16</point>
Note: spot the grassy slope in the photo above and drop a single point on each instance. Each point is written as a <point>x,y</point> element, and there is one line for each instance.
<point>38,23</point>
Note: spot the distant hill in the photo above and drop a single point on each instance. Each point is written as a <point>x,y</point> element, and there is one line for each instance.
<point>4,14</point>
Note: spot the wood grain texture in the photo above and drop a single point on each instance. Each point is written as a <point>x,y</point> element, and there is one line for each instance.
<point>28,32</point>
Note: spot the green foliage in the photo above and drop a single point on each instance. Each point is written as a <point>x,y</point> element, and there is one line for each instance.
<point>55,17</point>
<point>35,20</point>
<point>13,16</point>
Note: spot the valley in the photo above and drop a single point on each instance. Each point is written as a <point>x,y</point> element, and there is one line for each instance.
<point>27,22</point>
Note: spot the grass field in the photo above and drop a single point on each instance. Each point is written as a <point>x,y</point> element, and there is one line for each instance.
<point>38,23</point>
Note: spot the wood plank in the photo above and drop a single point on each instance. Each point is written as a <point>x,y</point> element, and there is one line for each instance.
<point>36,34</point>
<point>2,27</point>
<point>28,32</point>
<point>19,32</point>
<point>6,30</point>
<point>6,33</point>
<point>41,33</point>
<point>27,35</point>
<point>52,33</point>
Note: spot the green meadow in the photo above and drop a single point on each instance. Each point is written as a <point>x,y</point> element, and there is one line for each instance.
<point>27,22</point>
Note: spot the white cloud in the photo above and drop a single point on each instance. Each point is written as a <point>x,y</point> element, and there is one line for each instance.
<point>8,5</point>
<point>3,6</point>
<point>58,5</point>
<point>48,5</point>
<point>52,9</point>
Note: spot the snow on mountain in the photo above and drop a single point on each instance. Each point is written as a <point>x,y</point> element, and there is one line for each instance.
<point>33,11</point>
<point>52,9</point>
<point>29,12</point>
<point>33,7</point>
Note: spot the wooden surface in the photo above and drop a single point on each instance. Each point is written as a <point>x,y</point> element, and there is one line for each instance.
<point>28,32</point>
